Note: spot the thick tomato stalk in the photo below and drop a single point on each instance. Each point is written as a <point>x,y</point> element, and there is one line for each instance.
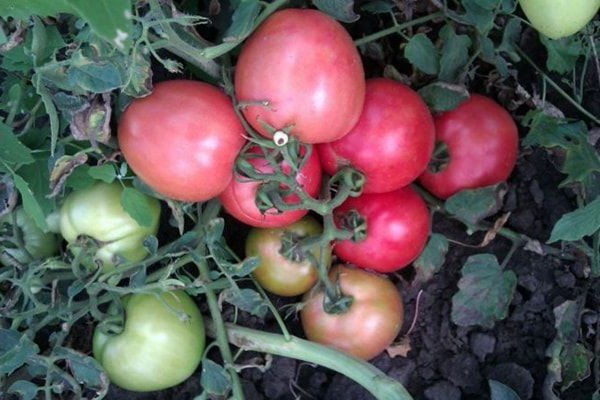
<point>397,228</point>
<point>239,199</point>
<point>161,344</point>
<point>182,139</point>
<point>282,269</point>
<point>97,212</point>
<point>392,142</point>
<point>481,140</point>
<point>371,322</point>
<point>300,72</point>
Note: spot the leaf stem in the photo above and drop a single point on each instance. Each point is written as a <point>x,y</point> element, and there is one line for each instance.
<point>372,379</point>
<point>396,28</point>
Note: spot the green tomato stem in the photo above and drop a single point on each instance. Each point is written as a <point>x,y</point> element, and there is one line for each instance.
<point>556,87</point>
<point>363,373</point>
<point>396,28</point>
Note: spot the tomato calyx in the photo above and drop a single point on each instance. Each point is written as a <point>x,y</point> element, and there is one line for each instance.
<point>353,222</point>
<point>440,157</point>
<point>350,178</point>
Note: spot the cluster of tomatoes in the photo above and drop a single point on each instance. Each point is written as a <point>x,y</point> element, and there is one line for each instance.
<point>299,82</point>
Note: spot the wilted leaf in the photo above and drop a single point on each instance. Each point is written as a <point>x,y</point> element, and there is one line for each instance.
<point>577,224</point>
<point>94,76</point>
<point>92,122</point>
<point>499,391</point>
<point>566,320</point>
<point>576,361</point>
<point>473,205</point>
<point>63,168</point>
<point>85,369</point>
<point>432,258</point>
<point>485,292</point>
<point>422,53</point>
<point>401,348</point>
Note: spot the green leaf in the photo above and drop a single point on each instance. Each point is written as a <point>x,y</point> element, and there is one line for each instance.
<point>566,321</point>
<point>44,93</point>
<point>110,19</point>
<point>432,258</point>
<point>214,379</point>
<point>85,369</point>
<point>15,350</point>
<point>242,20</point>
<point>455,54</point>
<point>25,389</point>
<point>342,10</point>
<point>32,207</point>
<point>94,76</point>
<point>472,205</point>
<point>563,53</point>
<point>79,178</point>
<point>137,206</point>
<point>104,172</point>
<point>577,224</point>
<point>377,7</point>
<point>481,14</point>
<point>37,176</point>
<point>422,53</point>
<point>442,96</point>
<point>499,391</point>
<point>12,150</point>
<point>485,292</point>
<point>576,359</point>
<point>246,300</point>
<point>510,37</point>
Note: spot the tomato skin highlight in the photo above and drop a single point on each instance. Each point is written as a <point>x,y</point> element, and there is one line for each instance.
<point>182,139</point>
<point>156,350</point>
<point>276,273</point>
<point>306,66</point>
<point>482,141</point>
<point>239,198</point>
<point>398,226</point>
<point>391,143</point>
<point>372,321</point>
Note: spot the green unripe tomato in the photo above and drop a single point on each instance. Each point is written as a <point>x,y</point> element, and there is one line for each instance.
<point>97,212</point>
<point>277,273</point>
<point>158,348</point>
<point>559,18</point>
<point>38,244</point>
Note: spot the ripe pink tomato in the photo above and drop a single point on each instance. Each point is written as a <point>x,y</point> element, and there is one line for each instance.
<point>239,198</point>
<point>306,66</point>
<point>392,141</point>
<point>482,142</point>
<point>370,324</point>
<point>397,229</point>
<point>182,139</point>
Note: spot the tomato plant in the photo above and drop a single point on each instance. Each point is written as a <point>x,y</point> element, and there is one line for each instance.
<point>240,198</point>
<point>371,322</point>
<point>284,269</point>
<point>304,65</point>
<point>481,140</point>
<point>182,139</point>
<point>397,228</point>
<point>97,212</point>
<point>161,344</point>
<point>559,18</point>
<point>19,229</point>
<point>392,141</point>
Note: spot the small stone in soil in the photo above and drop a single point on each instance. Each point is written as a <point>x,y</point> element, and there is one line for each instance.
<point>482,344</point>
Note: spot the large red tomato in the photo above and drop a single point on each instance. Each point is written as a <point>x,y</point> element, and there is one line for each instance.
<point>182,139</point>
<point>370,324</point>
<point>239,198</point>
<point>392,141</point>
<point>482,142</point>
<point>304,64</point>
<point>397,228</point>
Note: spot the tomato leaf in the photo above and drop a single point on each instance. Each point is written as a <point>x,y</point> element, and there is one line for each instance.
<point>85,369</point>
<point>422,53</point>
<point>214,379</point>
<point>442,96</point>
<point>94,76</point>
<point>24,389</point>
<point>455,54</point>
<point>246,300</point>
<point>15,350</point>
<point>137,206</point>
<point>472,205</point>
<point>562,54</point>
<point>577,224</point>
<point>104,172</point>
<point>432,258</point>
<point>12,150</point>
<point>32,207</point>
<point>342,10</point>
<point>242,21</point>
<point>480,14</point>
<point>576,359</point>
<point>485,292</point>
<point>499,391</point>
